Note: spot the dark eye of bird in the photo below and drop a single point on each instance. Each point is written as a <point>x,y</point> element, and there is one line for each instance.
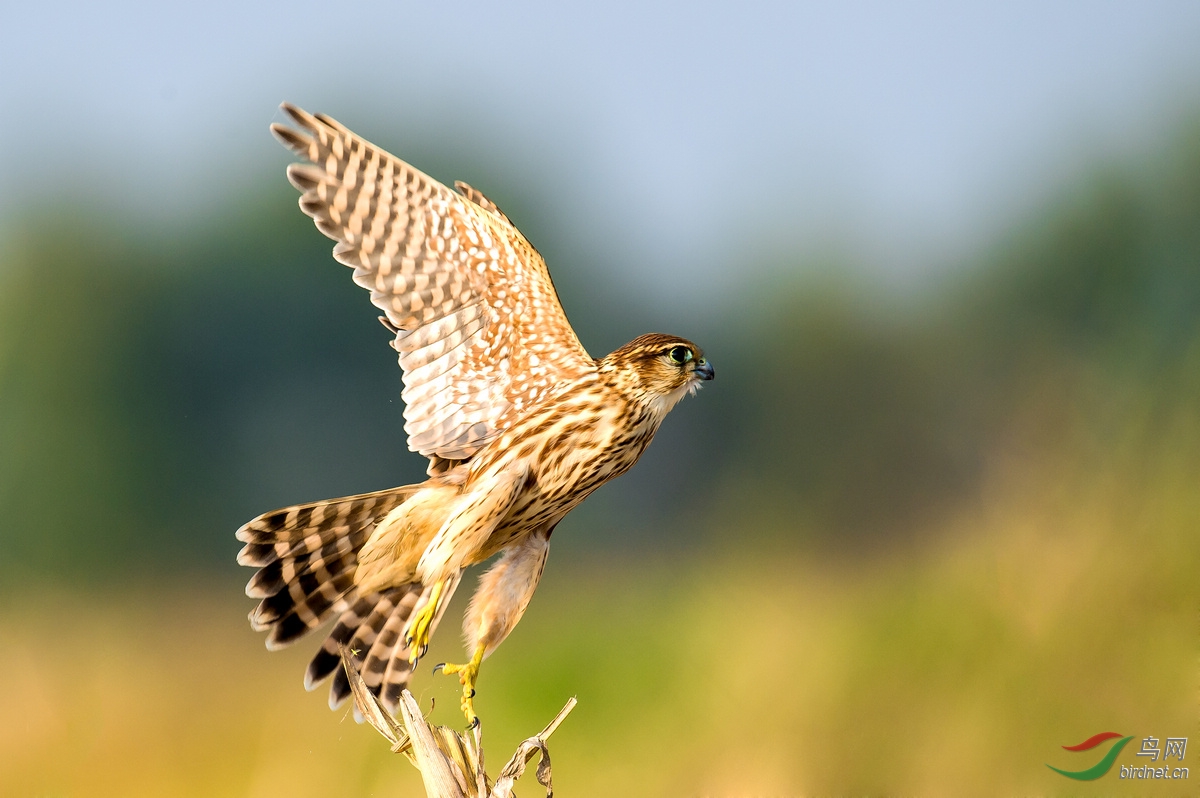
<point>680,354</point>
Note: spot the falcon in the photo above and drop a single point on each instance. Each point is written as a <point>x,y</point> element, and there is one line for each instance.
<point>518,422</point>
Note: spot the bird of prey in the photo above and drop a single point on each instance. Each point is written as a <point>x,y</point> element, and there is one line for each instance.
<point>518,422</point>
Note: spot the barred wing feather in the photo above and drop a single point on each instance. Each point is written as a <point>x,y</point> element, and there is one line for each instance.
<point>479,327</point>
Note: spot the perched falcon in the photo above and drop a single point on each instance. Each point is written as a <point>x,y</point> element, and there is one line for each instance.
<point>518,422</point>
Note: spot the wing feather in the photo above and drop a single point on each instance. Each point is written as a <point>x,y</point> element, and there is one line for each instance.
<point>479,328</point>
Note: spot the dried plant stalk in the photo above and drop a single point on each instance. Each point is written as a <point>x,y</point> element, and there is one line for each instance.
<point>451,765</point>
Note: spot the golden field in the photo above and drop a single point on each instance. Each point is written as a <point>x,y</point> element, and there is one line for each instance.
<point>1062,605</point>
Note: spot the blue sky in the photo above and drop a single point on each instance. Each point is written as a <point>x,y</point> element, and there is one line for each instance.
<point>694,137</point>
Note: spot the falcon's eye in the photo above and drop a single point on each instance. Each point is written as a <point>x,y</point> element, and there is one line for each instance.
<point>680,354</point>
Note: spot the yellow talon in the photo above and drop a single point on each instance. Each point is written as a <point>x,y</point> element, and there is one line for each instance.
<point>419,626</point>
<point>467,674</point>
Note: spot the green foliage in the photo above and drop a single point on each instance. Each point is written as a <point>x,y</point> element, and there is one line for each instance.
<point>157,387</point>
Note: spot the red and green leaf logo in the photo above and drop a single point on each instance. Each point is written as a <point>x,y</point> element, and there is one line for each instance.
<point>1100,768</point>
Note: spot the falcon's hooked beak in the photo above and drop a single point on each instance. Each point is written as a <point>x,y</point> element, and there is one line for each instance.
<point>704,370</point>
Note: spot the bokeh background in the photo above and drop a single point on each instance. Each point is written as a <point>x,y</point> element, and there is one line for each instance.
<point>936,518</point>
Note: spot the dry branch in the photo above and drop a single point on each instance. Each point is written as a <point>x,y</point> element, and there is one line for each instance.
<point>451,765</point>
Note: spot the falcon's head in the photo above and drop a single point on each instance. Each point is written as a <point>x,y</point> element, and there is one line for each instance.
<point>658,369</point>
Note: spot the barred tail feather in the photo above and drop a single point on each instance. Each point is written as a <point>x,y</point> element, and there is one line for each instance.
<point>306,558</point>
<point>373,632</point>
<point>390,661</point>
<point>363,629</point>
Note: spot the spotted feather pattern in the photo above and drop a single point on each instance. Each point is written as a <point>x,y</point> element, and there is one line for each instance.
<point>479,328</point>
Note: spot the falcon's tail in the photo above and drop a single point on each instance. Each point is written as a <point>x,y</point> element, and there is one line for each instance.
<point>306,558</point>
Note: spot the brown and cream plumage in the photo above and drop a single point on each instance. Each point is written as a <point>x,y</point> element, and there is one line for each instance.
<point>518,422</point>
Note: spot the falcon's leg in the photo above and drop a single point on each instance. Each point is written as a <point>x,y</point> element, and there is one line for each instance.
<point>499,602</point>
<point>420,626</point>
<point>470,525</point>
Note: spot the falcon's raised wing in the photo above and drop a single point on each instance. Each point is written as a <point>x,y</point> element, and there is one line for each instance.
<point>479,327</point>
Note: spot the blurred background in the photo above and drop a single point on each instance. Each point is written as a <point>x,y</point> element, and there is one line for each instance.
<point>936,518</point>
